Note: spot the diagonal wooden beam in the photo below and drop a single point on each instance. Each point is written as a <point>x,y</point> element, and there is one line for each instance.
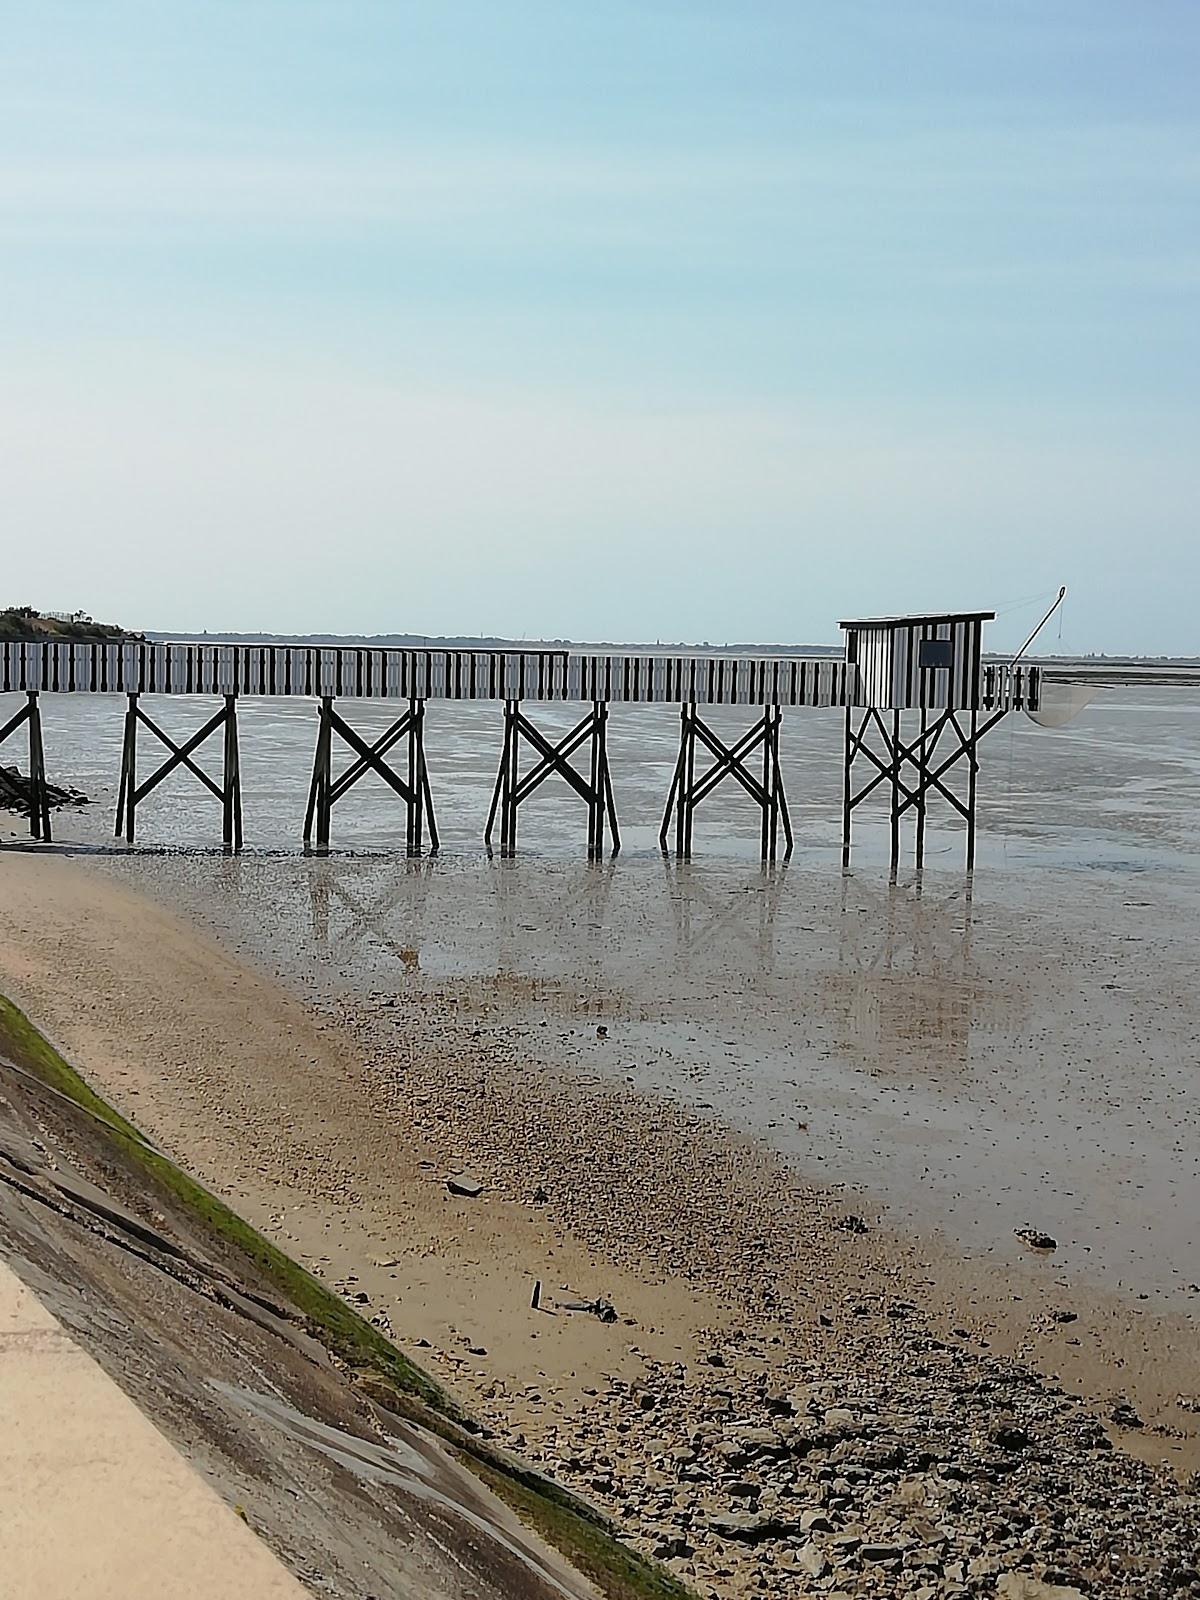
<point>369,758</point>
<point>380,748</point>
<point>886,769</point>
<point>501,776</point>
<point>729,763</point>
<point>182,755</point>
<point>554,759</point>
<point>14,723</point>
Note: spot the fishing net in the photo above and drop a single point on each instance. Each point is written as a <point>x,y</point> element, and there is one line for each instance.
<point>1061,703</point>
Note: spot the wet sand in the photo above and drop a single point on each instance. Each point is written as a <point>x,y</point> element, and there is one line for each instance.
<point>983,1058</point>
<point>1020,1058</point>
<point>333,1122</point>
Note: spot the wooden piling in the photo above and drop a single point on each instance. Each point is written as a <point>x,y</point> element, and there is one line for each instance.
<point>414,790</point>
<point>729,761</point>
<point>231,802</point>
<point>596,791</point>
<point>37,795</point>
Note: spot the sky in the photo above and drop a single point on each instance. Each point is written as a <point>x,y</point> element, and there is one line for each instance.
<point>626,321</point>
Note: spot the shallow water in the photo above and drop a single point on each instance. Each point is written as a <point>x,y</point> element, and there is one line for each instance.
<point>1020,1049</point>
<point>1119,786</point>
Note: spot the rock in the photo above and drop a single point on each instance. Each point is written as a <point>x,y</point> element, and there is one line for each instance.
<point>672,1547</point>
<point>16,793</point>
<point>880,1552</point>
<point>815,1521</point>
<point>742,1489</point>
<point>1036,1239</point>
<point>1064,1316</point>
<point>1124,1415</point>
<point>812,1559</point>
<point>1007,1436</point>
<point>756,1441</point>
<point>851,1224</point>
<point>1017,1586</point>
<point>466,1188</point>
<point>749,1527</point>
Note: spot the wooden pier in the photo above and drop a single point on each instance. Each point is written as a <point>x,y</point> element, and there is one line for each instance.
<point>916,695</point>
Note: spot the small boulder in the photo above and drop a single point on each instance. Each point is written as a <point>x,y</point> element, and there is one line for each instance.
<point>1036,1239</point>
<point>812,1559</point>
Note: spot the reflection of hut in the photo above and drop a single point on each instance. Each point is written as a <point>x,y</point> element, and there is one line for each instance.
<point>882,1011</point>
<point>906,982</point>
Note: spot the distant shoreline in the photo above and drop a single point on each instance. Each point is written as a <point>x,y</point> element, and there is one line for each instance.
<point>1093,666</point>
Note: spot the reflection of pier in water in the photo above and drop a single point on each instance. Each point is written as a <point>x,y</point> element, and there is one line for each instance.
<point>347,910</point>
<point>707,915</point>
<point>568,922</point>
<point>329,890</point>
<point>580,898</point>
<point>907,985</point>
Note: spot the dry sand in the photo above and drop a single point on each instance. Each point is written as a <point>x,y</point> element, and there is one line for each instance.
<point>334,1128</point>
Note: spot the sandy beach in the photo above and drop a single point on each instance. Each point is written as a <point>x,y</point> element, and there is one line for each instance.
<point>331,1107</point>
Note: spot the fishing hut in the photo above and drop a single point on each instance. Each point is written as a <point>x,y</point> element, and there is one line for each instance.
<point>923,697</point>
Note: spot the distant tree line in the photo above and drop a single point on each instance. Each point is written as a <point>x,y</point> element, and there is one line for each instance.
<point>28,623</point>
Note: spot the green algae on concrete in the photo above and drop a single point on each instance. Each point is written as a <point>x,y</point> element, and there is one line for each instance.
<point>380,1371</point>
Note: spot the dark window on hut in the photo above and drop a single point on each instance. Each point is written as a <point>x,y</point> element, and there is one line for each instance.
<point>936,653</point>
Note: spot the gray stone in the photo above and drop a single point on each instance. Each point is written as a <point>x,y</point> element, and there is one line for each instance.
<point>759,1441</point>
<point>881,1552</point>
<point>750,1527</point>
<point>815,1521</point>
<point>1018,1586</point>
<point>812,1559</point>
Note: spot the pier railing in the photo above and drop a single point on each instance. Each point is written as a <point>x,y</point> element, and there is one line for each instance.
<point>358,672</point>
<point>353,672</point>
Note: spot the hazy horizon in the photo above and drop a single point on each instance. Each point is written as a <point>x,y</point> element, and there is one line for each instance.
<point>650,321</point>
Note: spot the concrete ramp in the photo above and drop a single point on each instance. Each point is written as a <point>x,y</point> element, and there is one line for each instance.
<point>93,1499</point>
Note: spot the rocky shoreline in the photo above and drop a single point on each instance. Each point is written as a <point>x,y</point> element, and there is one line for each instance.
<point>16,793</point>
<point>916,1469</point>
<point>829,1441</point>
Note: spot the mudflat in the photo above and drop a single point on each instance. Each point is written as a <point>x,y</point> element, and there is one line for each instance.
<point>718,1151</point>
